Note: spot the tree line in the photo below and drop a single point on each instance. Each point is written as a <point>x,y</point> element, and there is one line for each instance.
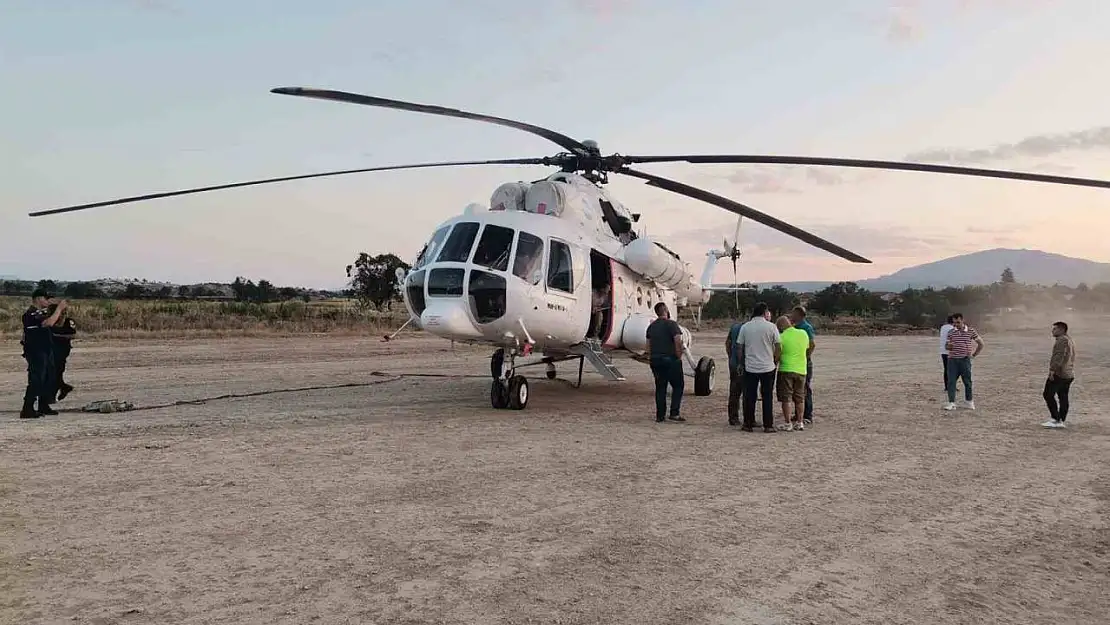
<point>918,308</point>
<point>372,282</point>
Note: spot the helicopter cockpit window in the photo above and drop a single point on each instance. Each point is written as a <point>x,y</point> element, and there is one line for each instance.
<point>529,256</point>
<point>494,247</point>
<point>560,275</point>
<point>457,248</point>
<point>431,248</point>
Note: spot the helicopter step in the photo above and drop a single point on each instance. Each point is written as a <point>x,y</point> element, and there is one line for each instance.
<point>590,349</point>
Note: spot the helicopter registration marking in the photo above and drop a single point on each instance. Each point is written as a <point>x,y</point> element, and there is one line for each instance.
<point>558,307</point>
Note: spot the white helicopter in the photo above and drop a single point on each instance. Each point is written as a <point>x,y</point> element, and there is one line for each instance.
<point>554,268</point>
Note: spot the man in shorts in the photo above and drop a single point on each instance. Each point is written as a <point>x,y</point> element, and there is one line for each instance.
<point>791,381</point>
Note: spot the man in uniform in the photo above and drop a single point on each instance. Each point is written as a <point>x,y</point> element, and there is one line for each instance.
<point>735,374</point>
<point>798,320</point>
<point>63,333</point>
<point>665,344</point>
<point>1061,373</point>
<point>38,350</point>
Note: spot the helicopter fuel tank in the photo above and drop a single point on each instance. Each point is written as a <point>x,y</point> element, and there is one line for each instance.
<point>645,257</point>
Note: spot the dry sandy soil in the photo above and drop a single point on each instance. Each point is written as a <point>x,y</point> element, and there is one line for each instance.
<point>410,500</point>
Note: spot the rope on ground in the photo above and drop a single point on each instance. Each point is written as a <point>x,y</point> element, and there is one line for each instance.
<point>389,377</point>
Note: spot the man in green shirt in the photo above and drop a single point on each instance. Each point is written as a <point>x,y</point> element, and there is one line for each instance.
<point>791,382</point>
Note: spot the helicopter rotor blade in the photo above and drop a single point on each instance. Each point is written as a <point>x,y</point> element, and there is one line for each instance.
<point>154,196</point>
<point>354,98</point>
<point>705,159</point>
<point>746,211</point>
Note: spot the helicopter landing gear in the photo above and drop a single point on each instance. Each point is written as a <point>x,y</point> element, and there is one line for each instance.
<point>551,371</point>
<point>508,389</point>
<point>704,376</point>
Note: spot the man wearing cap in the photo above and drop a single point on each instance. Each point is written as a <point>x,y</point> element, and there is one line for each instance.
<point>38,350</point>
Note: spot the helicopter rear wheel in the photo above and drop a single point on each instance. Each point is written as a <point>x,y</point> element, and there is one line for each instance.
<point>704,376</point>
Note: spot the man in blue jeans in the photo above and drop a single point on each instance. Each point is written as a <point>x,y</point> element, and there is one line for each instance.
<point>798,318</point>
<point>665,344</point>
<point>963,344</point>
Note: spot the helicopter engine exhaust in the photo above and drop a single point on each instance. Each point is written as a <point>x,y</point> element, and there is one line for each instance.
<point>646,257</point>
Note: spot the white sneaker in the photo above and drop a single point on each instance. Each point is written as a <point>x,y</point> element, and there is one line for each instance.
<point>970,405</point>
<point>1050,424</point>
<point>949,406</point>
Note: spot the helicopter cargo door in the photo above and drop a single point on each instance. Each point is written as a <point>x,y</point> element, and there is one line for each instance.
<point>568,293</point>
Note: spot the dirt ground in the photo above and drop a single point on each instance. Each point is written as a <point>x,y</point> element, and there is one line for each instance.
<point>410,500</point>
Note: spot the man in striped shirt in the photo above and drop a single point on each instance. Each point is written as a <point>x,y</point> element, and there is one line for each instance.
<point>963,344</point>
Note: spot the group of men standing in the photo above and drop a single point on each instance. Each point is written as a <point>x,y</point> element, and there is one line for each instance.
<point>46,346</point>
<point>766,357</point>
<point>761,356</point>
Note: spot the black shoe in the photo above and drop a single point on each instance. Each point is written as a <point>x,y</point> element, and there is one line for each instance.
<point>734,423</point>
<point>66,389</point>
<point>659,420</point>
<point>769,430</point>
<point>747,428</point>
<point>47,410</point>
<point>29,413</point>
<point>675,417</point>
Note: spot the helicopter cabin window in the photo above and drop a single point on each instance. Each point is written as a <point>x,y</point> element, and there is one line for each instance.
<point>431,248</point>
<point>493,248</point>
<point>560,275</point>
<point>529,256</point>
<point>457,248</point>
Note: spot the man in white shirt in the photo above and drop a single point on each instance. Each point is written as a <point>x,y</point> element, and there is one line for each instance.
<point>944,330</point>
<point>760,347</point>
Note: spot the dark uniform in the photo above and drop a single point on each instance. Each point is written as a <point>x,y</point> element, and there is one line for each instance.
<point>666,367</point>
<point>39,352</point>
<point>62,334</point>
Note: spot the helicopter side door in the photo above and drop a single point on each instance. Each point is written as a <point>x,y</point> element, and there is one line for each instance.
<point>567,302</point>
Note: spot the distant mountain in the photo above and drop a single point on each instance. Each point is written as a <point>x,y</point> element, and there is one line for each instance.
<point>985,267</point>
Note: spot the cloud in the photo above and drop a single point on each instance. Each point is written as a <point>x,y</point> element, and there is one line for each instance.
<point>1036,146</point>
<point>870,241</point>
<point>763,179</point>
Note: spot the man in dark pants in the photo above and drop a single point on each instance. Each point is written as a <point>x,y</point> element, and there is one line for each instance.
<point>1061,373</point>
<point>735,374</point>
<point>760,349</point>
<point>38,350</point>
<point>62,335</point>
<point>798,319</point>
<point>665,344</point>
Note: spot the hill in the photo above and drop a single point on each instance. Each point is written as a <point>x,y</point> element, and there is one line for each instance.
<point>985,267</point>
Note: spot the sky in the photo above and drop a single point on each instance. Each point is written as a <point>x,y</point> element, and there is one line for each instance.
<point>111,98</point>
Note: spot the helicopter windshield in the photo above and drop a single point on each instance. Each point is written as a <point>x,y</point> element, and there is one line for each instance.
<point>493,247</point>
<point>529,256</point>
<point>431,247</point>
<point>457,248</point>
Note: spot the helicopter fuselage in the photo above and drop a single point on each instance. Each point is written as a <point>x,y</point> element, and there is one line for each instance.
<point>525,273</point>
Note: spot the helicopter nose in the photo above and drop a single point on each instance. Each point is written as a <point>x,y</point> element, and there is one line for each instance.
<point>449,319</point>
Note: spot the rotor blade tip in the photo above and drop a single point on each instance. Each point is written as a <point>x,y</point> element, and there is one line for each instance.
<point>287,90</point>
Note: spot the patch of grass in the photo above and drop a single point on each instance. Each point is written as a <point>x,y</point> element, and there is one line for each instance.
<point>184,318</point>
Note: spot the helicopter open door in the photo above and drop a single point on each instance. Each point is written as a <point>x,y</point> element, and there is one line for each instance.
<point>601,294</point>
